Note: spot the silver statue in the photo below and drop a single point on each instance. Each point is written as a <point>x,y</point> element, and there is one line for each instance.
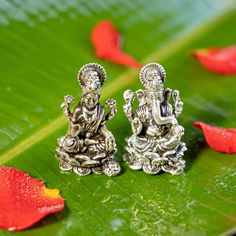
<point>88,145</point>
<point>156,141</point>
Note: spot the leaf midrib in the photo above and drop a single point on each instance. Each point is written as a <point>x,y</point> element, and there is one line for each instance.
<point>116,84</point>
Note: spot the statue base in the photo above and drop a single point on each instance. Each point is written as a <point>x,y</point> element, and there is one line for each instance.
<point>83,164</point>
<point>154,162</point>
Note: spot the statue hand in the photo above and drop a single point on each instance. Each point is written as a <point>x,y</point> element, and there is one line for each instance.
<point>128,110</point>
<point>74,129</point>
<point>174,121</point>
<point>110,144</point>
<point>88,141</point>
<point>136,126</point>
<point>68,99</point>
<point>65,105</point>
<point>129,96</point>
<point>111,103</point>
<point>178,104</point>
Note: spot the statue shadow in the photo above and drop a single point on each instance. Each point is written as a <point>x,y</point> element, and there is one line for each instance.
<point>49,220</point>
<point>195,144</point>
<point>206,112</point>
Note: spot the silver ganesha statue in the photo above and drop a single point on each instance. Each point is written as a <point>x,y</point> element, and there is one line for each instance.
<point>155,144</point>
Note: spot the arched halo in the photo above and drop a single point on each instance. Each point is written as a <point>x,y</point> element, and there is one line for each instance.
<point>150,67</point>
<point>91,67</point>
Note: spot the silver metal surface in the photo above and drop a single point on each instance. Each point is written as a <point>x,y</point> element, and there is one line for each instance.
<point>156,141</point>
<point>88,145</point>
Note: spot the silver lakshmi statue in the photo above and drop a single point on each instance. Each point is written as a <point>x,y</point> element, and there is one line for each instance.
<point>156,141</point>
<point>88,145</point>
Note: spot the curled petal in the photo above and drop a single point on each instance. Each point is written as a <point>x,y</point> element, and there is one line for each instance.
<point>219,139</point>
<point>218,60</point>
<point>106,41</point>
<point>25,200</point>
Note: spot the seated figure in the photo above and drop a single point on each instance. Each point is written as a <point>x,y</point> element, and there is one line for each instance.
<point>156,141</point>
<point>88,145</point>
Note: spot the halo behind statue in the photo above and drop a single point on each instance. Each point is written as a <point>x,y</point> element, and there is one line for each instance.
<point>150,67</point>
<point>91,67</point>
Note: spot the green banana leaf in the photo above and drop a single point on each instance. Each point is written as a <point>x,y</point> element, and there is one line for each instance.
<point>42,46</point>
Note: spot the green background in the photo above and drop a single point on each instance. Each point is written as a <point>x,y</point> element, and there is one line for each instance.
<point>42,46</point>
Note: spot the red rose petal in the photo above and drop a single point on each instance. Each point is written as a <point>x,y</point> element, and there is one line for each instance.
<point>219,60</point>
<point>106,41</point>
<point>25,200</point>
<point>219,139</point>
